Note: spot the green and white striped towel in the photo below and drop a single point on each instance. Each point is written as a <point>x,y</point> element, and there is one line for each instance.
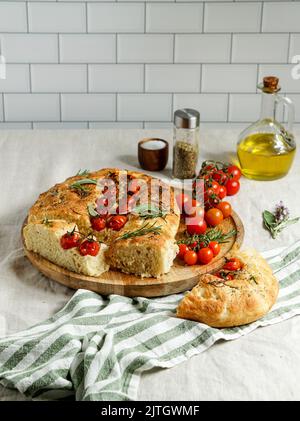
<point>98,347</point>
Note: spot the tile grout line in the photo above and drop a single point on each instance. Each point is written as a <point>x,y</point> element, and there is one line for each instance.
<point>262,8</point>
<point>164,34</point>
<point>201,76</point>
<point>210,93</point>
<point>30,78</point>
<point>86,18</point>
<point>117,98</point>
<point>203,14</point>
<point>27,18</point>
<point>116,45</point>
<point>58,49</point>
<point>289,48</point>
<point>87,79</point>
<point>60,109</point>
<point>3,103</point>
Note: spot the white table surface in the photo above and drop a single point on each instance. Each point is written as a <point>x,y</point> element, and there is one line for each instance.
<point>264,365</point>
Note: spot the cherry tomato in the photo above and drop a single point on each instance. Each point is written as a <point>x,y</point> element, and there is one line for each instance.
<point>190,257</point>
<point>224,276</point>
<point>90,247</point>
<point>70,240</point>
<point>208,194</point>
<point>199,213</point>
<point>220,177</point>
<point>234,172</point>
<point>210,198</point>
<point>183,248</point>
<point>199,226</point>
<point>207,168</point>
<point>222,192</point>
<point>225,208</point>
<point>194,244</point>
<point>117,222</point>
<point>214,217</point>
<point>182,201</point>
<point>215,247</point>
<point>216,187</point>
<point>194,208</point>
<point>232,187</point>
<point>233,264</point>
<point>205,255</point>
<point>102,205</point>
<point>98,223</point>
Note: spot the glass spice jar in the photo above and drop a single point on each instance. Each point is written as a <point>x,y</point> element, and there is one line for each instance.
<point>185,143</point>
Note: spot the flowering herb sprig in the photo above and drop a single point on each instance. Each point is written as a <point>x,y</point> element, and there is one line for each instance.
<point>278,220</point>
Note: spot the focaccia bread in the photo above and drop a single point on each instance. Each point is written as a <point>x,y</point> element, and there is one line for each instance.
<point>44,239</point>
<point>242,300</point>
<point>74,202</point>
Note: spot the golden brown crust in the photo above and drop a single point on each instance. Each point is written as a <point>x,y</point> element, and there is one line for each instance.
<point>61,202</point>
<point>232,303</point>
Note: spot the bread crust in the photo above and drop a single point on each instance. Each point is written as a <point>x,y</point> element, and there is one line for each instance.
<point>61,202</point>
<point>232,303</point>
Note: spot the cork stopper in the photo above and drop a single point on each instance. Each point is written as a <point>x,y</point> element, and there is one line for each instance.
<point>270,84</point>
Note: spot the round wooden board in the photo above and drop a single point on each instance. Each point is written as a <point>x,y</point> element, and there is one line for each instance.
<point>180,278</point>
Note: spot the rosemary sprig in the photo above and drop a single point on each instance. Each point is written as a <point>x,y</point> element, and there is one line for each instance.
<point>147,228</point>
<point>83,172</point>
<point>213,234</point>
<point>79,185</point>
<point>146,212</point>
<point>252,278</point>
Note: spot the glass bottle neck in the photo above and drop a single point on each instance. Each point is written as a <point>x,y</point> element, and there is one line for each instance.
<point>268,106</point>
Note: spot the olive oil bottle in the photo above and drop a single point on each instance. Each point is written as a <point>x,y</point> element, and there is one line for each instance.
<point>266,149</point>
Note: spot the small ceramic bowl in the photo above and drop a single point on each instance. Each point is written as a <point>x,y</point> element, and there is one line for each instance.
<point>153,154</point>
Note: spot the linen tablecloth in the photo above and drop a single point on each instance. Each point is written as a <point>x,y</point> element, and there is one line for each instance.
<point>263,365</point>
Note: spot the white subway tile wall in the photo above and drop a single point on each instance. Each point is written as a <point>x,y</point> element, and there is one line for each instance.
<point>75,64</point>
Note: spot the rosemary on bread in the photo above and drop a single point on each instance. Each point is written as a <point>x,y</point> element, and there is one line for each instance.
<point>146,211</point>
<point>147,228</point>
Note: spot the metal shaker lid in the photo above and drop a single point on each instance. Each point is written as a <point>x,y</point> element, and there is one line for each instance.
<point>186,118</point>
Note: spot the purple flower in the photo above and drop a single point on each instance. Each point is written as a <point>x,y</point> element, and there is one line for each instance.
<point>281,212</point>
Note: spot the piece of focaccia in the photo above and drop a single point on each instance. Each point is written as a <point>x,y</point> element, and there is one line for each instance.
<point>242,300</point>
<point>71,202</point>
<point>44,239</point>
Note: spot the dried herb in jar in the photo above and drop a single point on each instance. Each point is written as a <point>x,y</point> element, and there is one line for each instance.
<point>185,160</point>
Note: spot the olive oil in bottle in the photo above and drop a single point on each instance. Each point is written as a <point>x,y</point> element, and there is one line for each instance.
<point>266,149</point>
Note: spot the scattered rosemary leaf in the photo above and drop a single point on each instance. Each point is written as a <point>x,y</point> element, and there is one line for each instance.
<point>252,278</point>
<point>83,172</point>
<point>79,186</point>
<point>147,228</point>
<point>82,182</point>
<point>92,211</point>
<point>146,211</point>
